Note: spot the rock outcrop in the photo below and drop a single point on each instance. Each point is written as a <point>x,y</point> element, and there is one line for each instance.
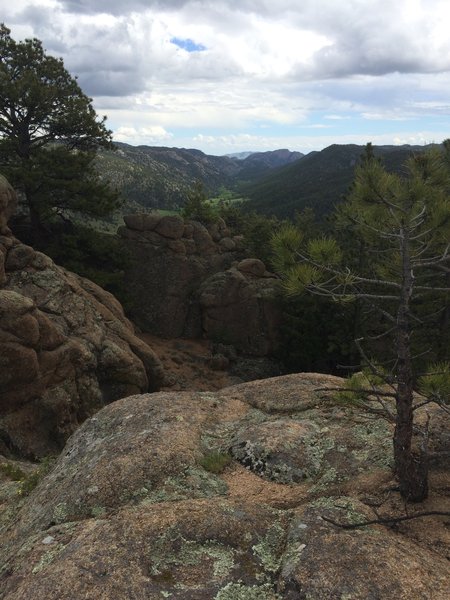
<point>138,504</point>
<point>191,281</point>
<point>66,348</point>
<point>170,259</point>
<point>238,308</point>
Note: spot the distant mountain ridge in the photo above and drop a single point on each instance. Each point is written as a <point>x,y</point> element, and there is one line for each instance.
<point>278,182</point>
<point>319,180</point>
<point>159,177</point>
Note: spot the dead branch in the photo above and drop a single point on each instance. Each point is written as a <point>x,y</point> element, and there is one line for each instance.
<point>386,520</point>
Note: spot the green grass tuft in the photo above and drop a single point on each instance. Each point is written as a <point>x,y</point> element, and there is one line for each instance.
<point>215,462</point>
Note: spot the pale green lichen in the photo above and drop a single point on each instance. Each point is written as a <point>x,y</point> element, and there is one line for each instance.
<point>190,553</point>
<point>223,560</point>
<point>316,446</point>
<point>47,558</point>
<point>329,476</point>
<point>239,591</point>
<point>269,550</point>
<point>195,482</point>
<point>375,440</point>
<point>220,436</point>
<point>349,511</point>
<point>98,511</point>
<point>60,513</point>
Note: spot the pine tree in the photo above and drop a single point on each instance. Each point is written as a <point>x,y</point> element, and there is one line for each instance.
<point>403,224</point>
<point>49,133</point>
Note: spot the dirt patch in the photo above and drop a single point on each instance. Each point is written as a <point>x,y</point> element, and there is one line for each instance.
<point>188,364</point>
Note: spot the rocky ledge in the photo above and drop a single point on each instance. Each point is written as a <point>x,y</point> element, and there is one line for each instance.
<point>224,496</point>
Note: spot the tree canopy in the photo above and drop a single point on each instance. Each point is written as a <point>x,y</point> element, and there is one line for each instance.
<point>49,132</point>
<point>400,226</point>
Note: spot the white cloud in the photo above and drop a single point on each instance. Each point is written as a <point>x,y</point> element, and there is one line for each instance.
<point>144,135</point>
<point>266,65</point>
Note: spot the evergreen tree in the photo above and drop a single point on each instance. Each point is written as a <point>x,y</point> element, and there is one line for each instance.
<point>49,133</point>
<point>197,206</point>
<point>404,225</point>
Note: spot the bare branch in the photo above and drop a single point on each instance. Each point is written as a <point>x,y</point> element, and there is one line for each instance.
<point>387,520</point>
<point>367,391</point>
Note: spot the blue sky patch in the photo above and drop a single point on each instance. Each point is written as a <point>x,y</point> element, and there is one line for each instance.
<point>188,45</point>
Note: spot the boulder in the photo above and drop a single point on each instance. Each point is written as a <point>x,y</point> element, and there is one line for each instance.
<point>150,499</point>
<point>142,221</point>
<point>171,227</point>
<point>238,307</point>
<point>66,349</point>
<point>252,266</point>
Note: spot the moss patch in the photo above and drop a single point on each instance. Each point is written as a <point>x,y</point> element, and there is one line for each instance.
<point>215,462</point>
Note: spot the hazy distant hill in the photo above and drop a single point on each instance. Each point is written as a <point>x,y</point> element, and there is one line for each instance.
<point>319,179</point>
<point>159,176</point>
<point>257,164</point>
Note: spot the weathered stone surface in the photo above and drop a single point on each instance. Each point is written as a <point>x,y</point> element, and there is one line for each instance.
<point>8,203</point>
<point>20,257</point>
<point>183,285</point>
<point>170,227</point>
<point>239,308</point>
<point>227,244</point>
<point>142,221</point>
<point>170,260</point>
<point>130,509</point>
<point>203,240</point>
<point>252,266</point>
<point>66,349</point>
<point>322,561</point>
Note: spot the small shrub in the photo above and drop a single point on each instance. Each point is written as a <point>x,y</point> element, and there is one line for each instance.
<point>29,482</point>
<point>215,462</point>
<point>12,471</point>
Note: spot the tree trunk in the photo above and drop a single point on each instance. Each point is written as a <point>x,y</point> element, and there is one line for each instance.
<point>37,231</point>
<point>411,469</point>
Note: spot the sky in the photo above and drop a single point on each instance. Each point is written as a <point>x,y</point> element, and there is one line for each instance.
<point>228,76</point>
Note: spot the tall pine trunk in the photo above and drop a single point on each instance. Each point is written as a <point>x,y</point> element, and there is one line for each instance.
<point>411,468</point>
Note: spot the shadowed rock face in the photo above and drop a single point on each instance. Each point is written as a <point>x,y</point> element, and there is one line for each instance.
<point>170,259</point>
<point>183,285</point>
<point>66,348</point>
<point>238,307</point>
<point>130,509</point>
<point>8,203</point>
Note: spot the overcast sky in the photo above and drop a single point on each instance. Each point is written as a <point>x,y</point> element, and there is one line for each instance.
<point>233,75</point>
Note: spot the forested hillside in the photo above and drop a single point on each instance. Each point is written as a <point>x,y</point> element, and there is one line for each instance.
<point>319,180</point>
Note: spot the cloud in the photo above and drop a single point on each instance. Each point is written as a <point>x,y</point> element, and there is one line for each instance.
<point>144,135</point>
<point>118,7</point>
<point>222,67</point>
